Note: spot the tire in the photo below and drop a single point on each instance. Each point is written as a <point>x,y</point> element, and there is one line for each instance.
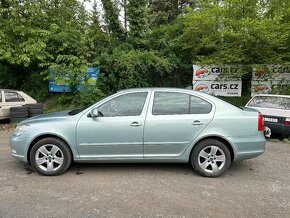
<point>44,154</point>
<point>210,158</point>
<point>18,114</point>
<point>34,106</point>
<point>34,115</point>
<point>17,119</point>
<point>35,111</point>
<point>18,109</point>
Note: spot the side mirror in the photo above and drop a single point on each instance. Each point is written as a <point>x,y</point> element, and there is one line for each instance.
<point>94,112</point>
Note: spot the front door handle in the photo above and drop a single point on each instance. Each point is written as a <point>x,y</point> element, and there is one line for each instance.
<point>197,123</point>
<point>135,124</point>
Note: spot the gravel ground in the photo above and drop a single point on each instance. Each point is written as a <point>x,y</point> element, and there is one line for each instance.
<point>258,187</point>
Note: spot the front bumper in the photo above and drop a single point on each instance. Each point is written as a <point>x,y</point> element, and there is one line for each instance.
<point>19,147</point>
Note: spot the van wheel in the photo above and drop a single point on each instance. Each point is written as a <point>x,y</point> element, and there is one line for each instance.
<point>210,158</point>
<point>50,157</point>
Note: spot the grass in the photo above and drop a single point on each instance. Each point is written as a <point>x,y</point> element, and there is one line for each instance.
<point>59,102</point>
<point>237,101</point>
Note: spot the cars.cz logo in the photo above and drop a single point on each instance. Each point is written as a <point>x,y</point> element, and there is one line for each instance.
<point>202,88</point>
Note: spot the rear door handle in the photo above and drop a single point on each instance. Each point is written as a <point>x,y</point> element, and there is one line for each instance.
<point>135,124</point>
<point>197,123</point>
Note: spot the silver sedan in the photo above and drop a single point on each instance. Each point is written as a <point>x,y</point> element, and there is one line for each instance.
<point>143,125</point>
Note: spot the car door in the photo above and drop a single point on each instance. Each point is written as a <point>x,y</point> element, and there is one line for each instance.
<point>173,121</point>
<point>118,131</point>
<point>2,116</point>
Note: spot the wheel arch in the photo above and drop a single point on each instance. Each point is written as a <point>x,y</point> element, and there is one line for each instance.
<point>221,139</point>
<point>40,137</point>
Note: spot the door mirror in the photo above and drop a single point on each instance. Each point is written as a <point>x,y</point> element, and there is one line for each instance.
<point>94,112</point>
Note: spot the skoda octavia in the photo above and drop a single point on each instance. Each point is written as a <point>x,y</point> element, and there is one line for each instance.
<point>158,125</point>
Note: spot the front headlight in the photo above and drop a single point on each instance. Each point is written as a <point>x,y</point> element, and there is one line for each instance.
<point>20,130</point>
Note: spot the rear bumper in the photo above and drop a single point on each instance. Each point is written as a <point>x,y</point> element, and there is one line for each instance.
<point>278,128</point>
<point>248,147</point>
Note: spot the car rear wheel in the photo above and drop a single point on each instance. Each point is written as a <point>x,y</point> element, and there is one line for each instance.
<point>50,157</point>
<point>210,158</point>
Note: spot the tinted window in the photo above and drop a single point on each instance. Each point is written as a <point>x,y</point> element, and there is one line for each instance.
<point>0,96</point>
<point>125,105</point>
<point>169,103</point>
<point>12,97</point>
<point>199,106</point>
<point>270,102</point>
<point>166,103</point>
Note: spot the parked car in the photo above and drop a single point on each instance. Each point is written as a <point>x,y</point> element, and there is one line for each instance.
<point>143,125</point>
<point>12,98</point>
<point>275,110</point>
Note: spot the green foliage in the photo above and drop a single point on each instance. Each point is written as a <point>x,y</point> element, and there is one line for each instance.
<point>237,101</point>
<point>281,89</point>
<point>6,79</point>
<point>111,18</point>
<point>133,69</point>
<point>163,11</point>
<point>69,101</point>
<point>163,39</point>
<point>137,17</point>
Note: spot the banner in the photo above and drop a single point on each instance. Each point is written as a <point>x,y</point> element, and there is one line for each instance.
<point>217,80</point>
<point>220,88</point>
<point>267,77</point>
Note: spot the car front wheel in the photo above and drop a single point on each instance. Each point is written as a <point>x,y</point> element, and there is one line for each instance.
<point>50,157</point>
<point>210,158</point>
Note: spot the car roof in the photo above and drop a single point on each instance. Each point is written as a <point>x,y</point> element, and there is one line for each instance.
<point>153,89</point>
<point>164,89</point>
<point>10,90</point>
<point>272,95</point>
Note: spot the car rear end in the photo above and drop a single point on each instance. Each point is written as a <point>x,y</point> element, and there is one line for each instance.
<point>275,110</point>
<point>242,128</point>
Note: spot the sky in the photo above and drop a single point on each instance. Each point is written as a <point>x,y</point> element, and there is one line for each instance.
<point>89,3</point>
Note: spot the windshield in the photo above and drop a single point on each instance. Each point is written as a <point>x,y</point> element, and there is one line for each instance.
<point>273,102</point>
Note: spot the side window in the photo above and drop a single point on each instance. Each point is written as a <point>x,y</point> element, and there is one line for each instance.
<point>12,97</point>
<point>0,97</point>
<point>199,106</point>
<point>125,105</point>
<point>169,103</point>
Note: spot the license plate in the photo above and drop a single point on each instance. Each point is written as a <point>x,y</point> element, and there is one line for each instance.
<point>274,120</point>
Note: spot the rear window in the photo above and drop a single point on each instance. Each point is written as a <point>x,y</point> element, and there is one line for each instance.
<point>273,102</point>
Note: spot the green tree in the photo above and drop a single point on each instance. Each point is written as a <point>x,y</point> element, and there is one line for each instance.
<point>137,17</point>
<point>111,15</point>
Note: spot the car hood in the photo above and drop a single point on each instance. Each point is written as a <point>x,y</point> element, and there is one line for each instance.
<point>47,117</point>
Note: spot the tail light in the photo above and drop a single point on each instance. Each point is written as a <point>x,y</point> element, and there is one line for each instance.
<point>287,121</point>
<point>260,122</point>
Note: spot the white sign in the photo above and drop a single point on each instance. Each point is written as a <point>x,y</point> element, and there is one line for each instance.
<point>271,72</point>
<point>266,77</point>
<point>216,80</point>
<point>213,72</point>
<point>260,87</point>
<point>221,88</point>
